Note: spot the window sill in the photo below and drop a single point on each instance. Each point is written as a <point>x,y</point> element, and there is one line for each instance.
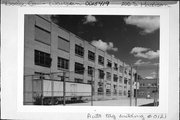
<point>79,55</point>
<point>91,60</point>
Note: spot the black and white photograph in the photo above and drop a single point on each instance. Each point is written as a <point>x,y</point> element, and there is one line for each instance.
<point>91,60</point>
<point>85,62</point>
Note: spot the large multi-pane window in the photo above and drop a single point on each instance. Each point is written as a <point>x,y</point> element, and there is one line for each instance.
<point>91,55</point>
<point>125,80</point>
<point>90,70</point>
<point>42,58</point>
<point>108,89</point>
<point>101,60</point>
<point>63,63</point>
<point>63,44</point>
<point>79,50</point>
<point>130,72</point>
<point>115,66</point>
<point>79,68</point>
<point>120,79</point>
<point>120,90</point>
<point>108,75</point>
<point>109,64</point>
<point>101,74</point>
<point>42,35</point>
<point>115,89</point>
<point>115,78</point>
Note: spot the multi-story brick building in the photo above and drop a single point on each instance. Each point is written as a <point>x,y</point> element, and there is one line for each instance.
<point>48,48</point>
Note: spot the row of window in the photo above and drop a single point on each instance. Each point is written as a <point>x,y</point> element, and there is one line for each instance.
<point>44,36</point>
<point>44,59</point>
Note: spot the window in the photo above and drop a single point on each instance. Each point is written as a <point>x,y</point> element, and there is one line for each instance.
<point>125,71</point>
<point>77,80</point>
<point>115,89</point>
<point>101,60</point>
<point>42,35</point>
<point>100,91</point>
<point>115,66</point>
<point>63,44</point>
<point>109,64</point>
<point>63,63</point>
<point>101,74</point>
<point>115,78</point>
<point>120,79</point>
<point>79,68</point>
<point>108,89</point>
<point>121,69</point>
<point>91,56</point>
<point>108,76</point>
<point>42,59</point>
<point>130,73</point>
<point>79,50</point>
<point>125,81</point>
<point>90,70</point>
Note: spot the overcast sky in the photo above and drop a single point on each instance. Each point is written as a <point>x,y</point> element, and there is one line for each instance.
<point>132,39</point>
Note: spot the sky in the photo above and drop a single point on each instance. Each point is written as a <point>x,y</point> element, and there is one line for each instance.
<point>132,39</point>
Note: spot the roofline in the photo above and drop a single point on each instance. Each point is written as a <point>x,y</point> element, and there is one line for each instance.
<point>83,39</point>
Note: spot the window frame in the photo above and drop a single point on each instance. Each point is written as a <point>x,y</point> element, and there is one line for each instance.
<point>64,64</point>
<point>101,74</point>
<point>44,59</point>
<point>78,50</point>
<point>90,71</point>
<point>108,76</point>
<point>91,55</point>
<point>100,60</point>
<point>109,64</point>
<point>115,78</point>
<point>78,71</point>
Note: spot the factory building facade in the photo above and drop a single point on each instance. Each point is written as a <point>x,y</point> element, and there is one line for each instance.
<point>48,48</point>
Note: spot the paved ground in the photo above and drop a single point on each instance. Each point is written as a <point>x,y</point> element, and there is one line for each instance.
<point>121,102</point>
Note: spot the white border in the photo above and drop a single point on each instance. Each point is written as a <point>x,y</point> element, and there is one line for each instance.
<point>13,39</point>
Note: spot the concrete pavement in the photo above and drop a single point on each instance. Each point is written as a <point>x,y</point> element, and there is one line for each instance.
<point>119,102</point>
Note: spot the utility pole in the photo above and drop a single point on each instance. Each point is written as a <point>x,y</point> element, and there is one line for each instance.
<point>64,89</point>
<point>136,79</point>
<point>131,87</point>
<point>91,90</point>
<point>93,72</point>
<point>52,88</point>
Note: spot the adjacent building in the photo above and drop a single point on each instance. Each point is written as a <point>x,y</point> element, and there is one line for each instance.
<point>148,88</point>
<point>48,48</point>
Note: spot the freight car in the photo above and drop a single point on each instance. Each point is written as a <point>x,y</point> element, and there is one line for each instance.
<point>52,91</point>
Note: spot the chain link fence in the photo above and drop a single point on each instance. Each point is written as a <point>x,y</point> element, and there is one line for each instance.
<point>58,88</point>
